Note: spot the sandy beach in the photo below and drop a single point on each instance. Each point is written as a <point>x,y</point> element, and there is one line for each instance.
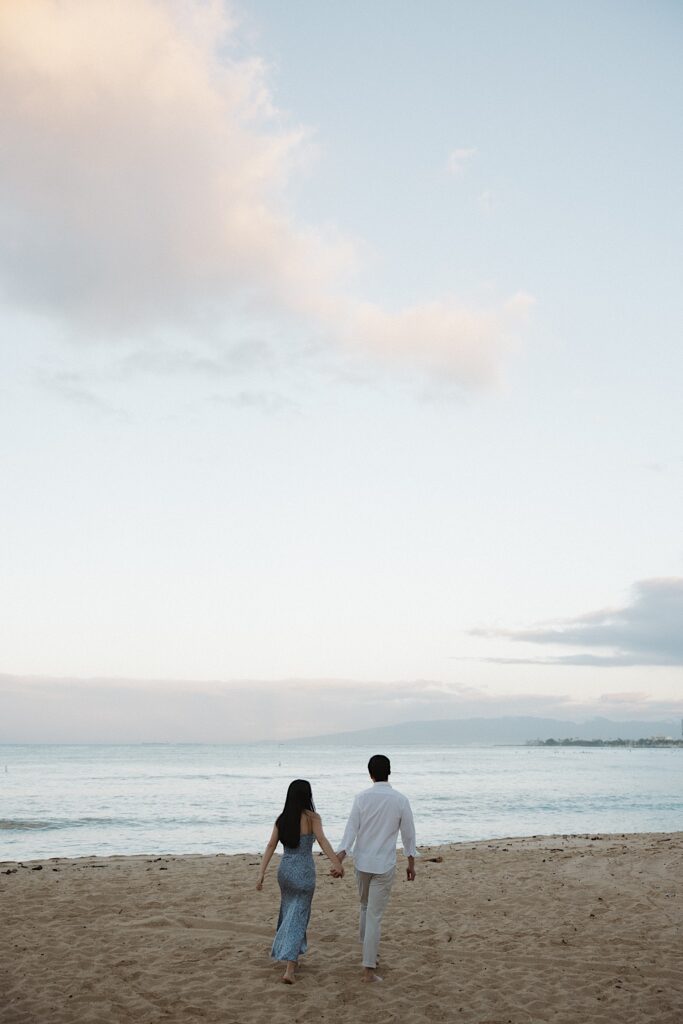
<point>572,929</point>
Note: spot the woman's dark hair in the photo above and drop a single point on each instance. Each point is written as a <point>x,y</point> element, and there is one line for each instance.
<point>299,799</point>
<point>379,767</point>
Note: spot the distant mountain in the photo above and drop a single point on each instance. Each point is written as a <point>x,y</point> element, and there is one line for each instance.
<point>493,731</point>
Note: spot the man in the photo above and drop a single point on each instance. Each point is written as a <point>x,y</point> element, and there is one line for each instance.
<point>377,815</point>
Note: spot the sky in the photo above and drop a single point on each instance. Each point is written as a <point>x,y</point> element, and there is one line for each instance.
<point>342,364</point>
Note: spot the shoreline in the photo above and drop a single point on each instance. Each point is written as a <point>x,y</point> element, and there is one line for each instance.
<point>572,839</point>
<point>553,929</point>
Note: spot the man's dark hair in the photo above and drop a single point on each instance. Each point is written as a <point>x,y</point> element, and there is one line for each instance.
<point>379,767</point>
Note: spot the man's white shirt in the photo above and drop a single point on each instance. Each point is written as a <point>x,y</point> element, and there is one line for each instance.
<point>377,816</point>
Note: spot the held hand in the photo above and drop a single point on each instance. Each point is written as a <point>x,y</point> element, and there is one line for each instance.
<point>259,885</point>
<point>338,869</point>
<point>410,873</point>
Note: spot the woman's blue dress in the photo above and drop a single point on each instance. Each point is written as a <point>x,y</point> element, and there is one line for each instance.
<point>296,878</point>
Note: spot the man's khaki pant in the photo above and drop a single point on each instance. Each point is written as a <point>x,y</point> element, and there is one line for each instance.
<point>374,892</point>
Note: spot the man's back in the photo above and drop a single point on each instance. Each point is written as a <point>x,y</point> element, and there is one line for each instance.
<point>377,816</point>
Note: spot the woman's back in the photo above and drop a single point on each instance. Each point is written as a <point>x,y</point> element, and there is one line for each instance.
<point>304,849</point>
<point>308,819</point>
<point>306,838</point>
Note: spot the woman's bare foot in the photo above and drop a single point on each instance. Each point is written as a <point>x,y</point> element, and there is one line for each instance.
<point>288,976</point>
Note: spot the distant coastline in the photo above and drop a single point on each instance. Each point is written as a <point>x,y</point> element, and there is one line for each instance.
<point>522,730</point>
<point>650,741</point>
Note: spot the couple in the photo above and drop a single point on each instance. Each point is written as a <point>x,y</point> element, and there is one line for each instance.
<point>377,815</point>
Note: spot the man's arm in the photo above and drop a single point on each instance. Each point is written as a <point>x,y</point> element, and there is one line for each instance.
<point>408,839</point>
<point>350,832</point>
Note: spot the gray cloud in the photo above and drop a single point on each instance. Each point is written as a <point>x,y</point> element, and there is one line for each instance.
<point>235,359</point>
<point>269,402</point>
<point>79,390</point>
<point>648,631</point>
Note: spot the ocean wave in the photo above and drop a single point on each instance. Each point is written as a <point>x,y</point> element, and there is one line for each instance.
<point>158,822</point>
<point>14,823</point>
<point>25,824</point>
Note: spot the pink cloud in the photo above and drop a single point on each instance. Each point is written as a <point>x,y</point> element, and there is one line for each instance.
<point>144,177</point>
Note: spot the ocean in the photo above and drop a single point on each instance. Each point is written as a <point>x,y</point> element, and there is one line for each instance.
<point>72,801</point>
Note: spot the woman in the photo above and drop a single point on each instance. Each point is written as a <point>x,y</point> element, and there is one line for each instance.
<point>296,828</point>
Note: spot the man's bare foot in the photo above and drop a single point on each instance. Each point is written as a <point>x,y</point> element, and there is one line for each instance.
<point>370,976</point>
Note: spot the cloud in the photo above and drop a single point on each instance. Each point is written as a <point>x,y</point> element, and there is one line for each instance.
<point>75,389</point>
<point>142,169</point>
<point>442,338</point>
<point>458,158</point>
<point>43,710</point>
<point>143,187</point>
<point>648,631</point>
<point>268,402</point>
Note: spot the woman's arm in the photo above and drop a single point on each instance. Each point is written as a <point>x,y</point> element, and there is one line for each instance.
<point>268,853</point>
<point>317,826</point>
